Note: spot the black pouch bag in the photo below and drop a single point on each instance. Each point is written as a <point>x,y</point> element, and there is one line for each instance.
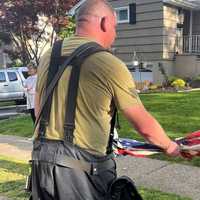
<point>123,188</point>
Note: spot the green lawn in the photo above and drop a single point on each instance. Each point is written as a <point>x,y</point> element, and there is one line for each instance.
<point>178,113</point>
<point>12,178</point>
<point>20,126</point>
<point>12,181</point>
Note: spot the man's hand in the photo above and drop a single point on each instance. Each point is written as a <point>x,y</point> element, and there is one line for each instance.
<point>173,149</point>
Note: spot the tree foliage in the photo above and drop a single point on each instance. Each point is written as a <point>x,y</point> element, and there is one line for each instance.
<point>68,30</point>
<point>26,23</point>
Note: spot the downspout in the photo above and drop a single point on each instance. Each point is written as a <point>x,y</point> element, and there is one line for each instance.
<point>191,31</point>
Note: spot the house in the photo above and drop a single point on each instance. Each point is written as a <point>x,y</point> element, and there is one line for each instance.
<point>157,33</point>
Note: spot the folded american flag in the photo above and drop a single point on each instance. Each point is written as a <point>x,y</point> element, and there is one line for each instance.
<point>190,145</point>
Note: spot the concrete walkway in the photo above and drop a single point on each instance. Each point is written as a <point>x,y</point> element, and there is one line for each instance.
<point>149,173</point>
<point>3,198</point>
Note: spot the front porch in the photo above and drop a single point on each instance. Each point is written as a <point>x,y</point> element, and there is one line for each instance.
<point>189,44</point>
<point>187,31</point>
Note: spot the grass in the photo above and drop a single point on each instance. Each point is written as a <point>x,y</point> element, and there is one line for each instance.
<point>12,181</point>
<point>12,178</point>
<point>19,126</point>
<point>157,195</point>
<point>178,113</point>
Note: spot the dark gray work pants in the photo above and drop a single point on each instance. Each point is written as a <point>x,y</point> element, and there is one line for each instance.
<point>51,181</point>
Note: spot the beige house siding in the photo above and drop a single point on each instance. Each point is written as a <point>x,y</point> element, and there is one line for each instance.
<point>170,32</point>
<point>146,36</point>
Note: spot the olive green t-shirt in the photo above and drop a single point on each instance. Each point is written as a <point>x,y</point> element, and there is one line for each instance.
<point>103,78</point>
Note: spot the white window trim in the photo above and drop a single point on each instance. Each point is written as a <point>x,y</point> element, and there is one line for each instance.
<point>123,8</point>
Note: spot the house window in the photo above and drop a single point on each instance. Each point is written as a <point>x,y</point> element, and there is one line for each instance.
<point>122,14</point>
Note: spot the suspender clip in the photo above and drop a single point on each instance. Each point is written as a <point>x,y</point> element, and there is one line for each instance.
<point>68,132</point>
<point>42,128</point>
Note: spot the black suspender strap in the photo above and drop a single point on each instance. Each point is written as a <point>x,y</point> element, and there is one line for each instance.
<point>53,68</point>
<point>112,127</point>
<point>69,124</point>
<point>52,85</point>
<point>75,59</point>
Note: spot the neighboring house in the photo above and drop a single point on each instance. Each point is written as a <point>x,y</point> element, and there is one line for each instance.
<point>166,33</point>
<point>182,37</point>
<point>158,33</point>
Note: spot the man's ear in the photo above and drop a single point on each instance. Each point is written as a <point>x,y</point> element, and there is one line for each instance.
<point>103,24</point>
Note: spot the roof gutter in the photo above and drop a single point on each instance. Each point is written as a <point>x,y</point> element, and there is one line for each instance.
<point>183,4</point>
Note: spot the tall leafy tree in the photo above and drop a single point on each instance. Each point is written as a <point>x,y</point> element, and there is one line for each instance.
<point>26,23</point>
<point>69,30</point>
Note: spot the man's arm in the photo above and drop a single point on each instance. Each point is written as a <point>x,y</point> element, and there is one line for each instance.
<point>150,129</point>
<point>37,104</point>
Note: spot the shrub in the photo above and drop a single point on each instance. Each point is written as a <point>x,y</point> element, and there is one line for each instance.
<point>178,83</point>
<point>153,87</point>
<point>172,79</point>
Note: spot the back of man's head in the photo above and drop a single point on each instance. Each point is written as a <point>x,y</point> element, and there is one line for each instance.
<point>96,19</point>
<point>94,8</point>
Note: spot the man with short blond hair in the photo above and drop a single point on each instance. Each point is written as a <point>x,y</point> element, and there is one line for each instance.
<point>104,83</point>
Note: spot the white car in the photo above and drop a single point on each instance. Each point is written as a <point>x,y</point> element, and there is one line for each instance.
<point>11,84</point>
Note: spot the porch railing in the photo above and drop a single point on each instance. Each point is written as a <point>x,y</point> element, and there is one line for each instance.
<point>188,44</point>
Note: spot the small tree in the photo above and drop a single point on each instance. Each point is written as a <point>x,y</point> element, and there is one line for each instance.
<point>26,23</point>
